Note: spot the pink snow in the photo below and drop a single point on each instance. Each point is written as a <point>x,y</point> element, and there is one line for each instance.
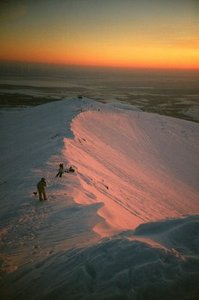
<point>141,167</point>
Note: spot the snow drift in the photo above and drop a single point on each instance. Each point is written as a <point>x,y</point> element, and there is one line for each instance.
<point>124,226</point>
<point>157,260</point>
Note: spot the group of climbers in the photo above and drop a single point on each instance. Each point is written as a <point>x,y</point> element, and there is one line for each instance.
<point>41,185</point>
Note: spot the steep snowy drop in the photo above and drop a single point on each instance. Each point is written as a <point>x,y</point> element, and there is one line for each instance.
<point>141,167</point>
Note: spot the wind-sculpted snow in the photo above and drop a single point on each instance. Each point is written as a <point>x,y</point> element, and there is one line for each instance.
<point>141,167</point>
<point>132,265</point>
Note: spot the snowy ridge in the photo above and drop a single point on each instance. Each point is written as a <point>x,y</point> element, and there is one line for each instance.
<point>124,226</point>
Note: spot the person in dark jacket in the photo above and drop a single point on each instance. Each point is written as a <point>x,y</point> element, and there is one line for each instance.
<point>70,170</point>
<point>61,170</point>
<point>41,185</point>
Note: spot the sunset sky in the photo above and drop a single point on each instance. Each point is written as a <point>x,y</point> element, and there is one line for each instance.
<point>124,33</point>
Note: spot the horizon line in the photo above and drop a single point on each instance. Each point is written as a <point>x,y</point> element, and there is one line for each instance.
<point>91,66</point>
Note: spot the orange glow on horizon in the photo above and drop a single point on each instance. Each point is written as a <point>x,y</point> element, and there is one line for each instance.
<point>127,58</point>
<point>106,33</point>
<point>143,54</point>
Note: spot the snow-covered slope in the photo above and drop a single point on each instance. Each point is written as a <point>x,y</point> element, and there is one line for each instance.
<point>136,185</point>
<point>141,167</point>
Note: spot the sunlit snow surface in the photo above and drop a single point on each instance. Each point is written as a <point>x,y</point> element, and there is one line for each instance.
<point>123,226</point>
